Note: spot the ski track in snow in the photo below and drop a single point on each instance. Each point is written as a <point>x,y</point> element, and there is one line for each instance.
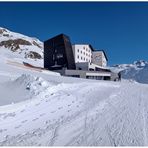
<point>79,115</point>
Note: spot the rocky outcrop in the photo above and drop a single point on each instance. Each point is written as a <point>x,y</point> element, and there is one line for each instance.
<point>33,55</point>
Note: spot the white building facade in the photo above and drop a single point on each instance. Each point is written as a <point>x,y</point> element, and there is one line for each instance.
<point>82,53</point>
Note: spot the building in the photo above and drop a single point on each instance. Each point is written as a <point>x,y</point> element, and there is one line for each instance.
<point>99,58</point>
<point>82,53</point>
<point>58,53</point>
<point>86,58</point>
<point>79,60</point>
<point>85,53</point>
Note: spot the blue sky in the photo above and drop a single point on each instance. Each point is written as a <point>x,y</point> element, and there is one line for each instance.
<point>121,29</point>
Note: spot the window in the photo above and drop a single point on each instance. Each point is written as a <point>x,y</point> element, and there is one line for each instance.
<point>81,58</point>
<point>84,47</point>
<point>84,59</point>
<point>59,56</point>
<point>78,57</point>
<point>78,50</point>
<point>81,51</point>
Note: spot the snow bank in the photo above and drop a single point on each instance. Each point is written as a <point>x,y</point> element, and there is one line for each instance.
<point>23,88</point>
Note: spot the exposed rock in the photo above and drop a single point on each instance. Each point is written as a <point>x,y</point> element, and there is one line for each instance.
<point>14,44</point>
<point>36,44</point>
<point>6,35</point>
<point>33,55</point>
<point>2,31</point>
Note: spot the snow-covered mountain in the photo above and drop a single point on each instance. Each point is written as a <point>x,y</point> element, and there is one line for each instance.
<point>138,71</point>
<point>20,47</point>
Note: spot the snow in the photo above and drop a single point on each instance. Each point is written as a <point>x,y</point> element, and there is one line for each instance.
<point>138,71</point>
<point>85,113</point>
<point>42,108</point>
<point>19,55</point>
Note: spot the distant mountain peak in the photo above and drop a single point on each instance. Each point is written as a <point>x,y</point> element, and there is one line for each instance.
<point>137,71</point>
<point>140,63</point>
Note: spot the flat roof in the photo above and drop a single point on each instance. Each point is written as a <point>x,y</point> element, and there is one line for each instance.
<point>58,36</point>
<point>85,44</point>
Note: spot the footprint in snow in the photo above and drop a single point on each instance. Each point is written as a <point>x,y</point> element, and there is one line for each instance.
<point>9,115</point>
<point>69,105</point>
<point>69,111</point>
<point>37,104</point>
<point>52,112</point>
<point>42,114</point>
<point>60,108</point>
<point>3,130</point>
<point>62,117</point>
<point>46,96</point>
<point>24,121</point>
<point>35,119</point>
<point>73,101</point>
<point>16,127</point>
<point>46,122</point>
<point>47,100</point>
<point>22,110</point>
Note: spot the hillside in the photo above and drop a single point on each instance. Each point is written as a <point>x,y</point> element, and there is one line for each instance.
<point>20,47</point>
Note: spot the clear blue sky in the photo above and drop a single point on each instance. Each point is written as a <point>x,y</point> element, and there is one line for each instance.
<point>121,29</point>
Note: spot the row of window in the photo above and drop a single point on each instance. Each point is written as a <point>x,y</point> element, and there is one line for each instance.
<point>86,50</point>
<point>85,59</point>
<point>86,54</point>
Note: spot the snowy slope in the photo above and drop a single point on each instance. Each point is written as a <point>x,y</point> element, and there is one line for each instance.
<point>85,113</point>
<point>138,71</point>
<point>40,108</point>
<point>20,47</point>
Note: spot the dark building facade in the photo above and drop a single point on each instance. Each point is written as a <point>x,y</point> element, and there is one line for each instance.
<point>58,53</point>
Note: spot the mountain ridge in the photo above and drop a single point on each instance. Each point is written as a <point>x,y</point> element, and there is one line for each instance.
<point>138,71</point>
